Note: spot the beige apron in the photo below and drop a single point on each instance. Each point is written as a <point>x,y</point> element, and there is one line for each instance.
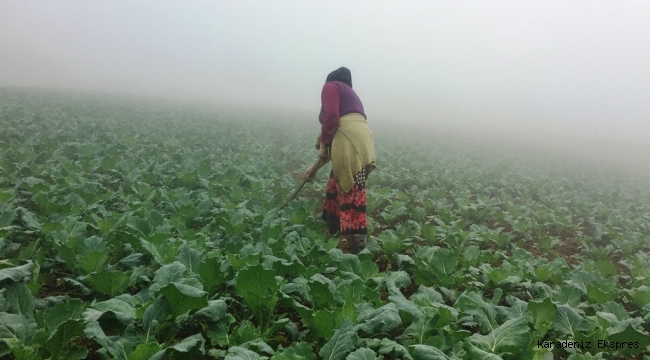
<point>353,149</point>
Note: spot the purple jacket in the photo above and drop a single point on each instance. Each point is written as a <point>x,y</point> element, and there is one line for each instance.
<point>338,100</point>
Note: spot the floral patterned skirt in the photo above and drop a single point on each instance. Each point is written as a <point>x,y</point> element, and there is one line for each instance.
<point>346,212</point>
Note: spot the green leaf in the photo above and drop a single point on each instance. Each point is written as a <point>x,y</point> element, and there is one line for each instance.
<point>183,298</point>
<point>57,343</point>
<point>394,280</point>
<point>475,352</point>
<point>154,315</point>
<point>156,219</point>
<point>277,325</point>
<point>444,263</point>
<point>352,291</point>
<point>568,295</point>
<point>30,219</point>
<point>92,261</point>
<point>568,322</point>
<point>517,308</point>
<point>164,252</point>
<point>5,196</point>
<point>188,212</point>
<point>484,313</point>
<point>93,243</point>
<point>427,296</point>
<point>60,313</point>
<point>297,351</point>
<point>641,296</point>
<point>74,229</point>
<point>19,299</point>
<point>629,335</point>
<point>599,296</point>
<point>259,289</point>
<point>17,273</point>
<point>324,323</point>
<point>28,252</point>
<point>606,267</point>
<point>131,260</point>
<point>123,311</point>
<point>174,272</point>
<point>617,309</point>
<point>423,327</point>
<point>20,327</point>
<point>7,216</point>
<point>543,314</point>
<point>342,342</point>
<point>240,353</point>
<point>542,354</point>
<point>138,224</point>
<point>116,348</point>
<point>320,293</point>
<point>214,312</point>
<point>366,269</point>
<point>429,233</point>
<point>189,257</point>
<point>349,312</point>
<point>287,354</point>
<point>19,350</point>
<point>110,283</point>
<point>68,256</point>
<point>508,338</point>
<point>600,326</point>
<point>303,349</point>
<point>191,347</point>
<point>435,266</point>
<point>348,263</point>
<point>387,346</point>
<point>363,354</point>
<point>219,332</point>
<point>51,227</point>
<point>144,351</point>
<point>427,352</point>
<point>580,279</point>
<point>405,305</point>
<point>472,253</point>
<point>384,319</point>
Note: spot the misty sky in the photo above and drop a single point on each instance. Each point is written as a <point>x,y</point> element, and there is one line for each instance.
<point>573,67</point>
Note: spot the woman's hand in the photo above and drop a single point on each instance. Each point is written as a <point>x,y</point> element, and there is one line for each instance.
<point>318,142</point>
<point>324,152</point>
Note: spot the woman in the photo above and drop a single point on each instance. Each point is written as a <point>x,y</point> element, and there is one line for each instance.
<point>345,139</point>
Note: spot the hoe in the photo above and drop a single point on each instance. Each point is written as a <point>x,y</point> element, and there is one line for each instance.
<point>309,175</point>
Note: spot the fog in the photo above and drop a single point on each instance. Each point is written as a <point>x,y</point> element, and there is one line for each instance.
<point>571,75</point>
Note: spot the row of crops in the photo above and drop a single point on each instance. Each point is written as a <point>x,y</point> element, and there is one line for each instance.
<point>137,230</point>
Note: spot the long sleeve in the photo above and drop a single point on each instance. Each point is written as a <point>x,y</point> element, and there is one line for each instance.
<point>330,119</point>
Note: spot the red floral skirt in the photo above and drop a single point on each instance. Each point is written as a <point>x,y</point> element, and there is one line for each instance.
<point>346,212</point>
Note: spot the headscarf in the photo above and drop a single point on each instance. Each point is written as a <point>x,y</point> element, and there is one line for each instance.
<point>341,74</point>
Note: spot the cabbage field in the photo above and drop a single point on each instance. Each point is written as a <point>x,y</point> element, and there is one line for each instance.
<point>134,230</point>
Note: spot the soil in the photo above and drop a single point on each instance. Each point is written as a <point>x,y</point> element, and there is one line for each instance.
<point>54,285</point>
<point>382,261</point>
<point>410,290</point>
<point>587,228</point>
<point>90,344</point>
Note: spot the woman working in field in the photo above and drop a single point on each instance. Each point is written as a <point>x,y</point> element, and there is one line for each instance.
<point>346,140</point>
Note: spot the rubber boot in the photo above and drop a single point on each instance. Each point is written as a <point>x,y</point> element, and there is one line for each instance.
<point>334,228</point>
<point>345,244</point>
<point>359,241</point>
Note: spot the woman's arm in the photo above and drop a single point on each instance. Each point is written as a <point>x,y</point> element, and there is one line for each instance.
<point>330,120</point>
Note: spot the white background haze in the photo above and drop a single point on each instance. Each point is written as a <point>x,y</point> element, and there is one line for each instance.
<point>567,73</point>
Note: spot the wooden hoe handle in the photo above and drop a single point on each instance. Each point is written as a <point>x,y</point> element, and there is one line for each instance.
<point>309,175</point>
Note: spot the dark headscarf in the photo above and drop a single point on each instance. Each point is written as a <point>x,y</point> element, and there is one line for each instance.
<point>341,74</point>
